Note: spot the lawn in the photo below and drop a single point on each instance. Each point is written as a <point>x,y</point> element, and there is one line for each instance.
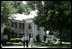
<point>66,42</point>
<point>18,42</point>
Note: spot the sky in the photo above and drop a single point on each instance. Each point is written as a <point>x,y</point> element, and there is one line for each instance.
<point>24,2</point>
<point>23,16</point>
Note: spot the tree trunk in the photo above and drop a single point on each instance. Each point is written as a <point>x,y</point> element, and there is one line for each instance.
<point>60,37</point>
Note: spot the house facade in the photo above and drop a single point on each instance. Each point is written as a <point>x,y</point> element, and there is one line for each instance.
<point>27,27</point>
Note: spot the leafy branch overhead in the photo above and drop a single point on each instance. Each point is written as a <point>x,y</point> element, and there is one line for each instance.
<point>52,14</point>
<point>12,7</point>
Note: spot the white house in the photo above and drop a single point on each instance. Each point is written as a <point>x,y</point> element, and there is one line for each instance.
<point>21,24</point>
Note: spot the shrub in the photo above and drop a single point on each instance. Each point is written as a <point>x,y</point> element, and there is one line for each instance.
<point>15,35</point>
<point>16,39</point>
<point>14,43</point>
<point>21,35</point>
<point>51,41</point>
<point>3,41</point>
<point>12,33</point>
<point>38,38</point>
<point>45,36</point>
<point>9,43</point>
<point>6,31</point>
<point>66,36</point>
<point>51,33</point>
<point>17,44</point>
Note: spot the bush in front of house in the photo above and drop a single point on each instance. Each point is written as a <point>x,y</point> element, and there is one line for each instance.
<point>16,39</point>
<point>9,43</point>
<point>6,31</point>
<point>38,38</point>
<point>51,33</point>
<point>45,36</point>
<point>51,41</point>
<point>3,41</point>
<point>17,43</point>
<point>14,43</point>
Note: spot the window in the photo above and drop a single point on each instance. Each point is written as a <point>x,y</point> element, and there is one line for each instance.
<point>15,23</point>
<point>29,26</point>
<point>23,25</point>
<point>20,25</point>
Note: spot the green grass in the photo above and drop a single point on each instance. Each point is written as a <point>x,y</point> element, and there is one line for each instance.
<point>37,43</point>
<point>42,44</point>
<point>66,42</point>
<point>15,43</point>
<point>16,39</point>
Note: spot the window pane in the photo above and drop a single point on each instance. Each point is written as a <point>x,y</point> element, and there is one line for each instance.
<point>15,24</point>
<point>20,25</point>
<point>23,25</point>
<point>29,26</point>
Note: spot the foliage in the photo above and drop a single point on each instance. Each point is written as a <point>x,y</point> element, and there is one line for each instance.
<point>38,38</point>
<point>9,43</point>
<point>45,36</point>
<point>53,15</point>
<point>29,26</point>
<point>3,41</point>
<point>16,39</point>
<point>66,42</point>
<point>52,41</point>
<point>66,36</point>
<point>12,33</point>
<point>17,44</point>
<point>6,10</point>
<point>51,33</point>
<point>7,31</point>
<point>9,8</point>
<point>21,35</point>
<point>20,7</point>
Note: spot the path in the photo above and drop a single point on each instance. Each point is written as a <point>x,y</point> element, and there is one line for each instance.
<point>23,47</point>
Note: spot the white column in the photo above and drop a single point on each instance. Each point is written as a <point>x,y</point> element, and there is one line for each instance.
<point>25,28</point>
<point>33,29</point>
<point>18,30</point>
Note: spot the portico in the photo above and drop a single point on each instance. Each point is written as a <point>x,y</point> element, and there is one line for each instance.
<point>27,27</point>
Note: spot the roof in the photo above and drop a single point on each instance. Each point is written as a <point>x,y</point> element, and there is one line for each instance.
<point>23,16</point>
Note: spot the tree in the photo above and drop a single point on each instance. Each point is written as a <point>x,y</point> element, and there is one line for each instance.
<point>7,31</point>
<point>12,7</point>
<point>6,10</point>
<point>53,15</point>
<point>38,38</point>
<point>21,7</point>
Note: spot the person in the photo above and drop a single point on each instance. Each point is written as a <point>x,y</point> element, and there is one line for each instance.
<point>27,40</point>
<point>31,41</point>
<point>23,40</point>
